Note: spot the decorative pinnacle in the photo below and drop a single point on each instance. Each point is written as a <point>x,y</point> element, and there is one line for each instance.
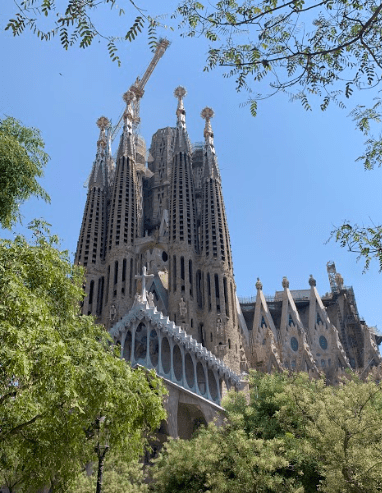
<point>128,97</point>
<point>312,281</point>
<point>180,92</point>
<point>208,113</point>
<point>103,123</point>
<point>259,284</point>
<point>285,282</point>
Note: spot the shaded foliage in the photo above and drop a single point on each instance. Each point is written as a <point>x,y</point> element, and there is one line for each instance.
<point>60,373</point>
<point>22,161</point>
<point>289,435</point>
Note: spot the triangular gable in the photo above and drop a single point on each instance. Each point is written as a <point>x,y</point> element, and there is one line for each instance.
<point>292,326</point>
<point>319,320</point>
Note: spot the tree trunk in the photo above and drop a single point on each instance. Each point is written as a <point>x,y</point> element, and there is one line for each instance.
<point>101,460</point>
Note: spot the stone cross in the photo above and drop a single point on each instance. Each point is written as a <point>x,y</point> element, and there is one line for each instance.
<point>144,276</point>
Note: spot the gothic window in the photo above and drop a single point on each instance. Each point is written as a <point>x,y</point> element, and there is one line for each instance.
<point>323,342</point>
<point>263,323</point>
<point>154,348</point>
<point>294,344</point>
<point>140,343</point>
<point>290,321</point>
<point>318,319</point>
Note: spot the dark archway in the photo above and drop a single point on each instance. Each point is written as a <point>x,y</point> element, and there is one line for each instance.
<point>140,343</point>
<point>190,418</point>
<point>127,347</point>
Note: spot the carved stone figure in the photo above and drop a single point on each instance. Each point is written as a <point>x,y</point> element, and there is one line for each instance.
<point>182,308</point>
<point>113,312</point>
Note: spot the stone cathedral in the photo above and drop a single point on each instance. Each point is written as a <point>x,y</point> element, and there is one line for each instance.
<point>155,245</point>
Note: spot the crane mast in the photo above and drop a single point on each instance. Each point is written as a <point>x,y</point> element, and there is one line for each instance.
<point>137,88</point>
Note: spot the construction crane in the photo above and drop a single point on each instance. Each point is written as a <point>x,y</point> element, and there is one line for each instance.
<point>138,89</point>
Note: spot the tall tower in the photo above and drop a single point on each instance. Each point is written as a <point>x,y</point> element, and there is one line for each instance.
<point>92,240</point>
<point>182,225</point>
<point>123,223</point>
<point>221,333</point>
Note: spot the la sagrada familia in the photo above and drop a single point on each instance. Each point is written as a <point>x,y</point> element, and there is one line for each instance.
<point>155,245</point>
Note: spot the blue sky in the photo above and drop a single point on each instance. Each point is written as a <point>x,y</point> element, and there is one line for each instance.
<point>289,176</point>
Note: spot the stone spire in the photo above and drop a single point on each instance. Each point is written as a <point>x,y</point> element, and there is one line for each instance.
<point>215,255</point>
<point>98,175</point>
<point>215,241</point>
<point>92,240</point>
<point>182,225</point>
<point>124,199</point>
<point>182,200</point>
<point>211,164</point>
<point>126,145</point>
<point>182,142</point>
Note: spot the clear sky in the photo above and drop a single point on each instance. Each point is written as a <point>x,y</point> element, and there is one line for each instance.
<point>289,176</point>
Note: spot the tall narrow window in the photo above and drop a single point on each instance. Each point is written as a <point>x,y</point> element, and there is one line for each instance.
<point>101,282</point>
<point>182,268</point>
<point>190,277</point>
<point>91,291</point>
<point>233,304</point>
<point>199,289</point>
<point>124,276</point>
<point>209,291</point>
<point>217,293</point>
<point>226,296</point>
<point>174,273</point>
<point>131,278</point>
<point>116,272</point>
<point>107,284</point>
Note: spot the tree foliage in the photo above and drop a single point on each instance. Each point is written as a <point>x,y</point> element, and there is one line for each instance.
<point>60,373</point>
<point>325,47</point>
<point>365,241</point>
<point>22,161</point>
<point>119,477</point>
<point>75,23</point>
<point>290,435</point>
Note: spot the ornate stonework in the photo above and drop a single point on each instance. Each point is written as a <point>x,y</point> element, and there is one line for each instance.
<point>156,248</point>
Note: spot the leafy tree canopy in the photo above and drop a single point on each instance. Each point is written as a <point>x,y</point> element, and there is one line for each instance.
<point>289,435</point>
<point>22,161</point>
<point>60,374</point>
<point>73,21</point>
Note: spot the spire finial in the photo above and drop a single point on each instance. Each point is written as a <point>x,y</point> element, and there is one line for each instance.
<point>180,92</point>
<point>208,113</point>
<point>128,115</point>
<point>102,123</point>
<point>285,282</point>
<point>259,285</point>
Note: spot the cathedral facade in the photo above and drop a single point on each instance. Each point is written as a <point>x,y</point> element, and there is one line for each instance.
<point>155,246</point>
